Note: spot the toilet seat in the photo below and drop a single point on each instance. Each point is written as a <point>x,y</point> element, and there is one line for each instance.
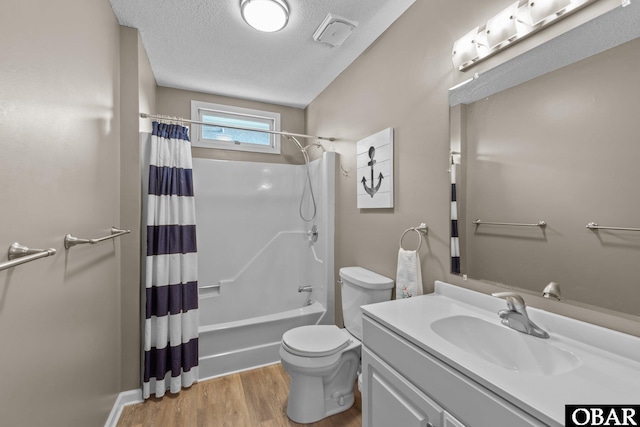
<point>316,340</point>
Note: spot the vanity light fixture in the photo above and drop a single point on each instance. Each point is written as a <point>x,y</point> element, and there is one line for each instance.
<point>518,21</point>
<point>465,49</point>
<point>536,11</point>
<point>502,27</point>
<point>265,15</point>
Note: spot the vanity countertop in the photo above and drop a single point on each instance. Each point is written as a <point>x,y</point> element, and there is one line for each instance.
<point>607,371</point>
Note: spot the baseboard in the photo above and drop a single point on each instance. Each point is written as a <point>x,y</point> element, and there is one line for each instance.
<point>125,398</point>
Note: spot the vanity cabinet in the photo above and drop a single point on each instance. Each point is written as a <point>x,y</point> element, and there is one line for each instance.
<point>391,400</point>
<point>406,386</point>
<point>449,421</point>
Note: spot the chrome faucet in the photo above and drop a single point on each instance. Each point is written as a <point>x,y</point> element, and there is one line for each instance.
<point>516,316</point>
<point>552,291</point>
<point>305,289</point>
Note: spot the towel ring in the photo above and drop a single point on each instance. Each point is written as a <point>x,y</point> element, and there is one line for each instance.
<point>422,229</point>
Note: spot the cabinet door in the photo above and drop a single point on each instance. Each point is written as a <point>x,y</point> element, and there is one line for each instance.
<point>449,421</point>
<point>390,400</point>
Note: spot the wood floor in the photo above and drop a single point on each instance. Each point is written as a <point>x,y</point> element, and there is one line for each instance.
<point>256,398</point>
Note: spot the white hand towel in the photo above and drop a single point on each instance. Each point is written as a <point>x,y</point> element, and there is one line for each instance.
<point>408,276</point>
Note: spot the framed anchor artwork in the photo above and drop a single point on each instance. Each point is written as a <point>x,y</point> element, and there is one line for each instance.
<point>374,156</point>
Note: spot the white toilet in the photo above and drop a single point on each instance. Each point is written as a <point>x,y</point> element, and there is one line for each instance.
<point>323,360</point>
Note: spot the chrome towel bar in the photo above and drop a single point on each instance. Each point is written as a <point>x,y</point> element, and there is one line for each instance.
<point>540,224</point>
<point>19,254</point>
<point>70,241</point>
<point>594,226</point>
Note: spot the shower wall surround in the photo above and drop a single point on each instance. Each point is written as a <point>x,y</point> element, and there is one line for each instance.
<point>252,241</point>
<point>254,252</point>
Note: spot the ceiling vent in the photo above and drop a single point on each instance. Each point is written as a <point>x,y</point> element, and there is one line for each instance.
<point>334,30</point>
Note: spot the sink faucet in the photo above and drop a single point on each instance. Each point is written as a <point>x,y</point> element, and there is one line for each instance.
<point>516,316</point>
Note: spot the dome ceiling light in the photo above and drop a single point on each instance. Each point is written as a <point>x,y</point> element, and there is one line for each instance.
<point>265,15</point>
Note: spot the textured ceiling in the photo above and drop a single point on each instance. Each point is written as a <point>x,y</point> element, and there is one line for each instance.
<point>205,45</point>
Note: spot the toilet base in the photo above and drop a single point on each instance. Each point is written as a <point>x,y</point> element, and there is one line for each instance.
<point>310,407</point>
<point>315,394</point>
<point>334,407</point>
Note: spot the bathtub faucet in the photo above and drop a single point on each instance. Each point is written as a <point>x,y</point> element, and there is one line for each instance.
<point>304,289</point>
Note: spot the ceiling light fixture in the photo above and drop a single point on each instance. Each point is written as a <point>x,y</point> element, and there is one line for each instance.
<point>265,15</point>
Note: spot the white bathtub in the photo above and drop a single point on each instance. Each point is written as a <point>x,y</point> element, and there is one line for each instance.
<point>246,344</point>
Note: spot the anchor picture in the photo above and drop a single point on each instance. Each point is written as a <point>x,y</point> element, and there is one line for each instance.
<point>375,170</point>
<point>372,189</point>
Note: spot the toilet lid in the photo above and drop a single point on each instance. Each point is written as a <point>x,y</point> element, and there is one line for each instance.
<point>316,340</point>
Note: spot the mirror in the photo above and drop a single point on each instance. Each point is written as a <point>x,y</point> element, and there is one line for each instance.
<point>563,148</point>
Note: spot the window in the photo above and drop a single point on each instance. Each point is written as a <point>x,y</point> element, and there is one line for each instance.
<point>227,138</point>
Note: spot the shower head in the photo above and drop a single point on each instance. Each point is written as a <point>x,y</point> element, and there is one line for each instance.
<point>317,144</point>
<point>295,140</point>
<point>300,147</point>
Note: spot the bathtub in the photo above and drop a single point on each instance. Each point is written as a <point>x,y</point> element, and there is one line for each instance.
<point>250,343</point>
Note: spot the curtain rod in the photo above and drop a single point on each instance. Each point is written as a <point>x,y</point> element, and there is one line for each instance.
<point>177,119</point>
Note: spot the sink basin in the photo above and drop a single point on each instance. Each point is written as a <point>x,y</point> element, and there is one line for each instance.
<point>505,347</point>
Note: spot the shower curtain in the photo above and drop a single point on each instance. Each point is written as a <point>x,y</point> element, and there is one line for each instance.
<point>171,323</point>
<point>455,241</point>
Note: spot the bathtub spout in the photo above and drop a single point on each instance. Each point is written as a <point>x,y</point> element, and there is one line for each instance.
<point>305,288</point>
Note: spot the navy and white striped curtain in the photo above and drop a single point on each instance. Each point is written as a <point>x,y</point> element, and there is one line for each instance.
<point>455,241</point>
<point>171,325</point>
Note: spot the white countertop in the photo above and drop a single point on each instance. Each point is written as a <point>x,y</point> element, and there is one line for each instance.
<point>608,371</point>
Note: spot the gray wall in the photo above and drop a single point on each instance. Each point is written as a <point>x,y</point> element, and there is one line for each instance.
<point>138,92</point>
<point>60,316</point>
<point>402,81</point>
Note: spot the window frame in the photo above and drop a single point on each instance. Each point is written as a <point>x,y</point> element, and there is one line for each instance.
<point>200,108</point>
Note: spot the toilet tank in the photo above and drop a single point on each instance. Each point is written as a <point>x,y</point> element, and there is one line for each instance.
<point>361,287</point>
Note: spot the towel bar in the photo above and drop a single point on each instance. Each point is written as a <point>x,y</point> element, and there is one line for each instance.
<point>594,226</point>
<point>70,241</point>
<point>540,224</point>
<point>19,254</point>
